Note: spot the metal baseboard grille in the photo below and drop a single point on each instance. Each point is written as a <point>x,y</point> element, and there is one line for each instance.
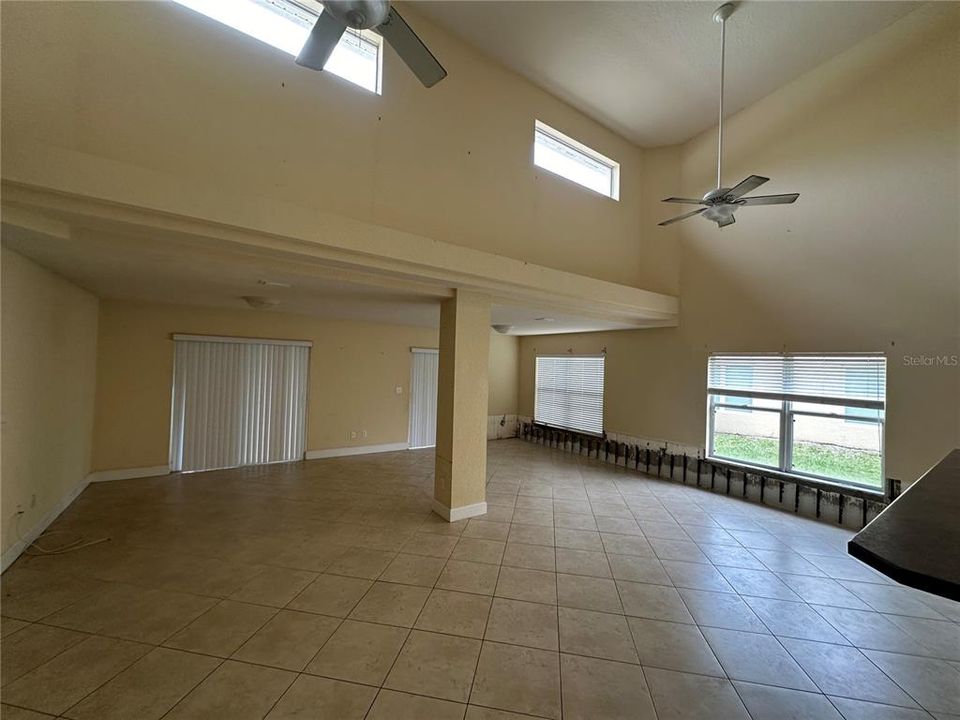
<point>848,507</point>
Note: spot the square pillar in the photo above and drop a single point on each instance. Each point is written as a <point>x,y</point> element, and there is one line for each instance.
<point>460,478</point>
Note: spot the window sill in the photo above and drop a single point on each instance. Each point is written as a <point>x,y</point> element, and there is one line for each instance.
<point>805,480</point>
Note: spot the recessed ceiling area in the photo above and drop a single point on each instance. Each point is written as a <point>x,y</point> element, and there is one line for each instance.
<point>649,70</point>
<point>188,272</point>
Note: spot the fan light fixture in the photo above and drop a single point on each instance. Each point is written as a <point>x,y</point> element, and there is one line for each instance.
<point>720,204</point>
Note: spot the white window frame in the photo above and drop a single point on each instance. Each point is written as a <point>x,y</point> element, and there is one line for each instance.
<point>537,417</point>
<point>578,148</point>
<point>786,414</point>
<point>303,13</point>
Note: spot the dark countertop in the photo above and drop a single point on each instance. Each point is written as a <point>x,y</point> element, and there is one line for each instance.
<point>916,539</point>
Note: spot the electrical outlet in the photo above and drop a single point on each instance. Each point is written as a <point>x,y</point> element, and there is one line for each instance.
<point>399,389</point>
<point>364,434</point>
<point>353,434</point>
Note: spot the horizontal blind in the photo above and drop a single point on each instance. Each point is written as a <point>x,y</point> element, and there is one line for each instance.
<point>851,380</point>
<point>237,403</point>
<point>569,392</point>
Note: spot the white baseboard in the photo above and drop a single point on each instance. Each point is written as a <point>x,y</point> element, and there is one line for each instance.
<point>128,473</point>
<point>14,551</point>
<point>355,450</point>
<point>459,513</point>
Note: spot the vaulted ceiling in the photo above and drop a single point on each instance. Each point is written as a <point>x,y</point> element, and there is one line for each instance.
<point>649,70</point>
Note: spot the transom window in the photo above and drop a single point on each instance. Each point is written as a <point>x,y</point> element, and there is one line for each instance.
<point>819,416</point>
<point>285,24</point>
<point>569,392</point>
<point>564,156</point>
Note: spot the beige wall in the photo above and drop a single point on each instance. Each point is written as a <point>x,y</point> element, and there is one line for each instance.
<point>868,259</point>
<point>503,374</point>
<point>48,374</point>
<point>354,370</point>
<point>232,127</point>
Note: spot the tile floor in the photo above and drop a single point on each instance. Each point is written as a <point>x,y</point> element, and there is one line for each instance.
<point>327,589</point>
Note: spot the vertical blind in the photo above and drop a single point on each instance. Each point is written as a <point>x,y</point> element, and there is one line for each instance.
<point>423,398</point>
<point>850,380</point>
<point>237,402</point>
<point>569,392</point>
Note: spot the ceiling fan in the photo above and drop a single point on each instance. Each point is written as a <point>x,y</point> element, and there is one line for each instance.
<point>720,204</point>
<point>376,15</point>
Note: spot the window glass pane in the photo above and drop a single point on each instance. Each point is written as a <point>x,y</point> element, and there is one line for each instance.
<point>847,449</point>
<point>751,436</point>
<point>551,152</point>
<point>286,26</point>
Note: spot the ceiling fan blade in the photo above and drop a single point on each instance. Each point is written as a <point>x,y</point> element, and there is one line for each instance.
<point>729,220</point>
<point>322,41</point>
<point>681,217</point>
<point>411,49</point>
<point>769,199</point>
<point>745,186</point>
<point>685,201</point>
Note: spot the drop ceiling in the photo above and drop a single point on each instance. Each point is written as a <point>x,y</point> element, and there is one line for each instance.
<point>647,70</point>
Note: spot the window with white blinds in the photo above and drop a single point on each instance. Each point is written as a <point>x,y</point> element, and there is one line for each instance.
<point>820,416</point>
<point>237,401</point>
<point>569,392</point>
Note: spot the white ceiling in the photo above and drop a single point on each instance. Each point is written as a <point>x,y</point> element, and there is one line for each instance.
<point>648,70</point>
<point>186,271</point>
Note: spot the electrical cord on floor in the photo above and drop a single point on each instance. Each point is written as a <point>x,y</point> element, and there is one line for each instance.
<point>41,551</point>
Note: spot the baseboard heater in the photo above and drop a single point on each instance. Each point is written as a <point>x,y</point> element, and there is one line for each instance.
<point>850,507</point>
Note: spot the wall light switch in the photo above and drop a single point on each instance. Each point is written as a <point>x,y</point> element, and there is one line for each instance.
<point>399,390</point>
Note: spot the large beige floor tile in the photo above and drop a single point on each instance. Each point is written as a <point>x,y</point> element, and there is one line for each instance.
<point>289,640</point>
<point>331,595</point>
<point>9,712</point>
<point>31,594</point>
<point>673,646</point>
<point>682,696</point>
<point>436,665</point>
<point>313,698</point>
<point>234,690</point>
<point>588,593</point>
<point>132,613</point>
<point>361,562</point>
<point>430,545</point>
<point>531,585</point>
<point>147,689</point>
<point>274,586</point>
<point>455,613</point>
<point>359,652</point>
<point>597,634</point>
<point>523,623</point>
<point>519,679</point>
<point>60,683</point>
<point>413,570</point>
<point>391,604</point>
<point>222,629</point>
<point>393,705</point>
<point>532,557</point>
<point>595,689</point>
<point>477,550</point>
<point>471,577</point>
<point>655,602</point>
<point>31,647</point>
